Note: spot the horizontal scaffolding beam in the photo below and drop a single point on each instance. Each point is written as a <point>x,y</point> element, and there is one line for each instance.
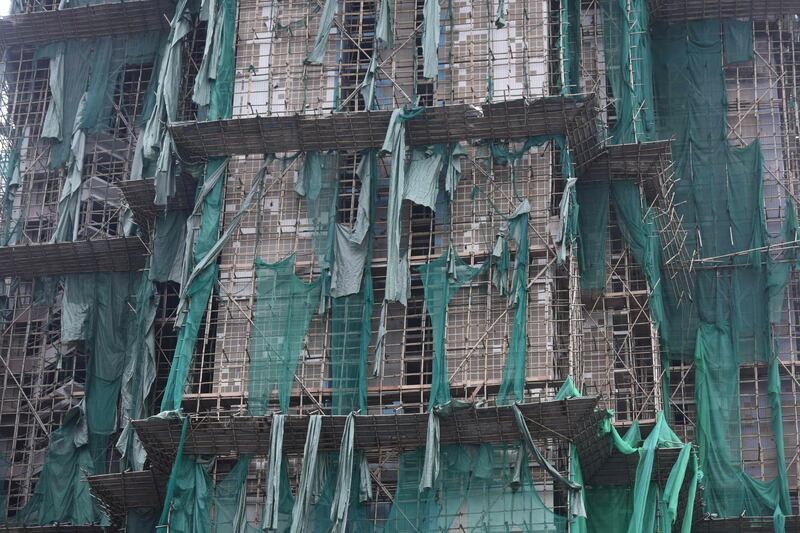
<point>511,119</point>
<point>54,529</point>
<point>119,254</point>
<point>117,493</point>
<point>743,524</point>
<point>234,435</point>
<point>140,195</point>
<point>118,18</point>
<point>683,10</point>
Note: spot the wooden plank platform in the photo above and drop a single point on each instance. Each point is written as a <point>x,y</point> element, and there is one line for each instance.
<point>119,254</point>
<point>118,18</point>
<point>231,435</point>
<point>117,493</point>
<point>683,10</point>
<point>140,194</point>
<point>648,163</point>
<point>511,119</point>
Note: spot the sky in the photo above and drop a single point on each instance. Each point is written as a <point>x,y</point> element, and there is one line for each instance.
<point>4,7</point>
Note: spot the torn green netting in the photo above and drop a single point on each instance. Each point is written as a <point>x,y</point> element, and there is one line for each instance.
<point>169,242</point>
<point>284,306</point>
<point>441,279</point>
<point>318,184</point>
<point>476,490</point>
<point>139,373</point>
<point>500,18</point>
<point>645,507</point>
<point>317,54</point>
<point>640,234</point>
<point>569,41</point>
<point>90,67</point>
<point>213,12</point>
<point>62,493</point>
<point>95,309</point>
<point>719,194</point>
<point>395,145</point>
<point>201,506</point>
<point>326,496</point>
<point>431,15</point>
<point>83,77</point>
<point>310,478</point>
<point>383,28</point>
<point>626,43</point>
<point>502,154</point>
<point>207,208</point>
<point>272,495</point>
<point>513,380</point>
<point>351,314</point>
<point>11,182</point>
<point>155,149</point>
<point>738,36</point>
<point>592,198</point>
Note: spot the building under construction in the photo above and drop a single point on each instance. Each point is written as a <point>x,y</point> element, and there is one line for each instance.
<point>400,266</point>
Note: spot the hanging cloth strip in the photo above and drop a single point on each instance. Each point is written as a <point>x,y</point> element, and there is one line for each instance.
<point>272,497</point>
<point>308,477</point>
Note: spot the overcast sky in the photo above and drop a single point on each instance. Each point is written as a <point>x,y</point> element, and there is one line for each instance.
<point>4,5</point>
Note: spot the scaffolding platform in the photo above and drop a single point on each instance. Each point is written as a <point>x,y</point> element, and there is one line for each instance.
<point>91,21</point>
<point>61,528</point>
<point>648,163</point>
<point>684,10</point>
<point>117,493</point>
<point>743,524</point>
<point>574,117</point>
<point>620,469</point>
<point>140,194</point>
<point>119,254</point>
<point>235,435</point>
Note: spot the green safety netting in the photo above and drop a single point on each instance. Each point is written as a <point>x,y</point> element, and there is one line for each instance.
<point>139,372</point>
<point>431,29</point>
<point>154,152</point>
<point>592,198</point>
<point>351,314</point>
<point>11,181</point>
<point>441,279</point>
<point>479,488</point>
<point>513,380</point>
<point>284,307</point>
<point>202,506</point>
<point>83,76</point>
<point>395,145</point>
<point>95,310</point>
<point>645,506</point>
<point>168,246</point>
<point>202,237</point>
<point>317,53</point>
<point>515,228</point>
<point>62,493</point>
<point>383,28</point>
<point>626,42</point>
<point>111,314</point>
<point>719,195</point>
<point>569,41</point>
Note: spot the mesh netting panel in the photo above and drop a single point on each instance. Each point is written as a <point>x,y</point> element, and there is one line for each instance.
<point>283,311</point>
